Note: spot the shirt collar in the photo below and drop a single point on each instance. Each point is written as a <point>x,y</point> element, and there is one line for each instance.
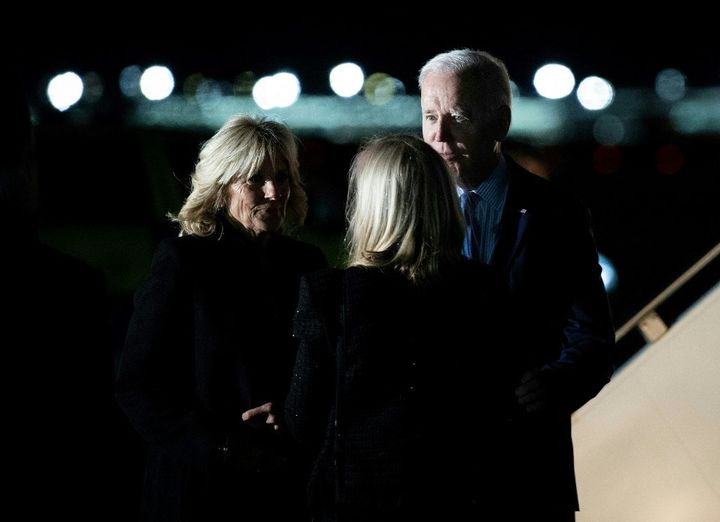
<point>494,188</point>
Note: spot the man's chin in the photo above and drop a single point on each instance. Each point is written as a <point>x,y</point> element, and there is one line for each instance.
<point>455,170</point>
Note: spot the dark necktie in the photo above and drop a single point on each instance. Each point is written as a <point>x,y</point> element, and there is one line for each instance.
<point>471,246</point>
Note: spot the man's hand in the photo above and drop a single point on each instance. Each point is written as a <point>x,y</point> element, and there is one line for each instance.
<point>264,410</point>
<point>534,391</point>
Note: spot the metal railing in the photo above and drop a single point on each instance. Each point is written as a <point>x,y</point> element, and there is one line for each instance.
<point>651,325</point>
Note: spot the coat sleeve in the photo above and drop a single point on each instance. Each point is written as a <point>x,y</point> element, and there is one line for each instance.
<point>154,378</point>
<point>311,394</point>
<point>586,361</point>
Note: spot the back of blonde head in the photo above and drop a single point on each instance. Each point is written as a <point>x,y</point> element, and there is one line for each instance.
<point>235,153</point>
<point>402,209</point>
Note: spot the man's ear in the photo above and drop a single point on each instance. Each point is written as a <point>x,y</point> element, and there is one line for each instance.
<point>502,122</point>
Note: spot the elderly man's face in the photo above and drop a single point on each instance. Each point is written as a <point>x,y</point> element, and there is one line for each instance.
<point>455,126</point>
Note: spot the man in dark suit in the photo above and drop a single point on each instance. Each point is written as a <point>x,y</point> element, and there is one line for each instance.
<point>539,242</point>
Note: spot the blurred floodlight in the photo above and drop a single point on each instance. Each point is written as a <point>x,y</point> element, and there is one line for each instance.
<point>380,88</point>
<point>287,87</point>
<point>263,93</point>
<point>94,87</point>
<point>670,85</point>
<point>130,81</point>
<point>243,84</point>
<point>157,82</point>
<point>595,93</point>
<point>514,90</point>
<point>554,81</point>
<point>65,90</point>
<point>346,79</point>
<point>279,90</point>
<point>191,84</point>
<point>608,129</point>
<point>699,114</point>
<point>608,274</point>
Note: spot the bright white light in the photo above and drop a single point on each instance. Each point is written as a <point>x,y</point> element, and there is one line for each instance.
<point>609,274</point>
<point>263,93</point>
<point>346,79</point>
<point>554,81</point>
<point>287,88</point>
<point>670,85</point>
<point>279,90</point>
<point>595,93</point>
<point>157,82</point>
<point>65,90</point>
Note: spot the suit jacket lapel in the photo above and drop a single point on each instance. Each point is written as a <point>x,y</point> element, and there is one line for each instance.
<point>517,216</point>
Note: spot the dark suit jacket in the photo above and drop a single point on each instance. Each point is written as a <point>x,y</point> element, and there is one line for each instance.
<point>395,391</point>
<point>210,338</point>
<point>547,260</point>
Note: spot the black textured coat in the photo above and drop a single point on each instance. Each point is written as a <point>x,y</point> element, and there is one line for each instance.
<point>397,410</point>
<point>210,338</point>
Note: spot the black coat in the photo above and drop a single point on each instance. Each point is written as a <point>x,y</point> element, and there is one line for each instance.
<point>396,390</point>
<point>210,338</point>
<point>547,261</point>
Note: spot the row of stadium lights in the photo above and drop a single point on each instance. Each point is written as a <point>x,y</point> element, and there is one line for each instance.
<point>552,81</point>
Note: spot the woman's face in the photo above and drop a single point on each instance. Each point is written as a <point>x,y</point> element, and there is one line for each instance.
<point>258,203</point>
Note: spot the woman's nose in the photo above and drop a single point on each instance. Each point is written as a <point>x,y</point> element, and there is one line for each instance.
<point>270,189</point>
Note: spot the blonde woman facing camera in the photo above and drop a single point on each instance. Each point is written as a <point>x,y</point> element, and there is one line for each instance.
<point>211,334</point>
<point>396,351</point>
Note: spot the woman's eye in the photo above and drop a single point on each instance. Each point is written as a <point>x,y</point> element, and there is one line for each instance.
<point>255,180</point>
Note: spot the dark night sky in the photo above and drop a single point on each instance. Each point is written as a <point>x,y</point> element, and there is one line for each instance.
<point>628,50</point>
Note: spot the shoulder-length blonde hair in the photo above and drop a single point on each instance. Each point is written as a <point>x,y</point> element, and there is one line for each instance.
<point>403,209</point>
<point>235,153</point>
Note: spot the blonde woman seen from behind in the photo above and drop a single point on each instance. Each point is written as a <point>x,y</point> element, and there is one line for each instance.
<point>389,376</point>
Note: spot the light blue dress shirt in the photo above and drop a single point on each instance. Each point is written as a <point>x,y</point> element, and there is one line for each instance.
<point>483,207</point>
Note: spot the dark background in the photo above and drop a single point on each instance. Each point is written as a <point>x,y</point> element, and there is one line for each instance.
<point>106,186</point>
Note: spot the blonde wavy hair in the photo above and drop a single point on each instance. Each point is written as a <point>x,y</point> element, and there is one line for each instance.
<point>235,153</point>
<point>402,209</point>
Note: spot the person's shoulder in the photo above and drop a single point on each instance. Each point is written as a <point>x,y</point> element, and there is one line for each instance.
<point>182,251</point>
<point>523,180</point>
<point>322,286</point>
<point>307,254</point>
<point>294,243</point>
<point>386,279</point>
<point>541,193</point>
<point>184,244</point>
<point>356,280</point>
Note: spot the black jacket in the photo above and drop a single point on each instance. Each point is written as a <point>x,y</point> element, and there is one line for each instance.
<point>210,338</point>
<point>396,387</point>
<point>547,261</point>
